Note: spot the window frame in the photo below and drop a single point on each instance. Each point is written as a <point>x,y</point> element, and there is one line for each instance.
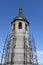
<point>20,25</point>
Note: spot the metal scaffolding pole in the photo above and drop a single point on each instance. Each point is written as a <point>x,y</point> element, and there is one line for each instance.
<point>35,61</point>
<point>5,55</point>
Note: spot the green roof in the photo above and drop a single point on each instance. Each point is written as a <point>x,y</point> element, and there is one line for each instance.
<point>20,16</point>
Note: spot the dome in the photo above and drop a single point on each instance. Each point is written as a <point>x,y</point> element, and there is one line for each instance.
<point>20,16</point>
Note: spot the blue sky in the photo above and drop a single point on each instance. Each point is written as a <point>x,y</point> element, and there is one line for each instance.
<point>32,10</point>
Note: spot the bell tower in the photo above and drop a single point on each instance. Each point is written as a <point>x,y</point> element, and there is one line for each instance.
<point>19,49</point>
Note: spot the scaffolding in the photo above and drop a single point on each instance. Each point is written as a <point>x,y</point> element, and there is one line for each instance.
<point>33,55</point>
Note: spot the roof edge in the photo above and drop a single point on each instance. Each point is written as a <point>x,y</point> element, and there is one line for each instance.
<point>19,19</point>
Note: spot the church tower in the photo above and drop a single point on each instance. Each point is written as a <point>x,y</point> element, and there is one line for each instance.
<point>18,48</point>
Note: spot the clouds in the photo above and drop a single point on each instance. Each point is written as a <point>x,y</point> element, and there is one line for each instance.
<point>40,57</point>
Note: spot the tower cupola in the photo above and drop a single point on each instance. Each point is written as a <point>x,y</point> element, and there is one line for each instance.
<point>20,16</point>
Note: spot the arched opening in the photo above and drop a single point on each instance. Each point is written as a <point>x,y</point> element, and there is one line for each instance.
<point>20,25</point>
<point>13,27</point>
<point>25,26</point>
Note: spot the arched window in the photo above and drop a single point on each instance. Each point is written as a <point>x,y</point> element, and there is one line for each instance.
<point>13,27</point>
<point>20,25</point>
<point>26,26</point>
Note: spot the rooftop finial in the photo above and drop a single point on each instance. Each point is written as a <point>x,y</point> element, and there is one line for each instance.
<point>20,11</point>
